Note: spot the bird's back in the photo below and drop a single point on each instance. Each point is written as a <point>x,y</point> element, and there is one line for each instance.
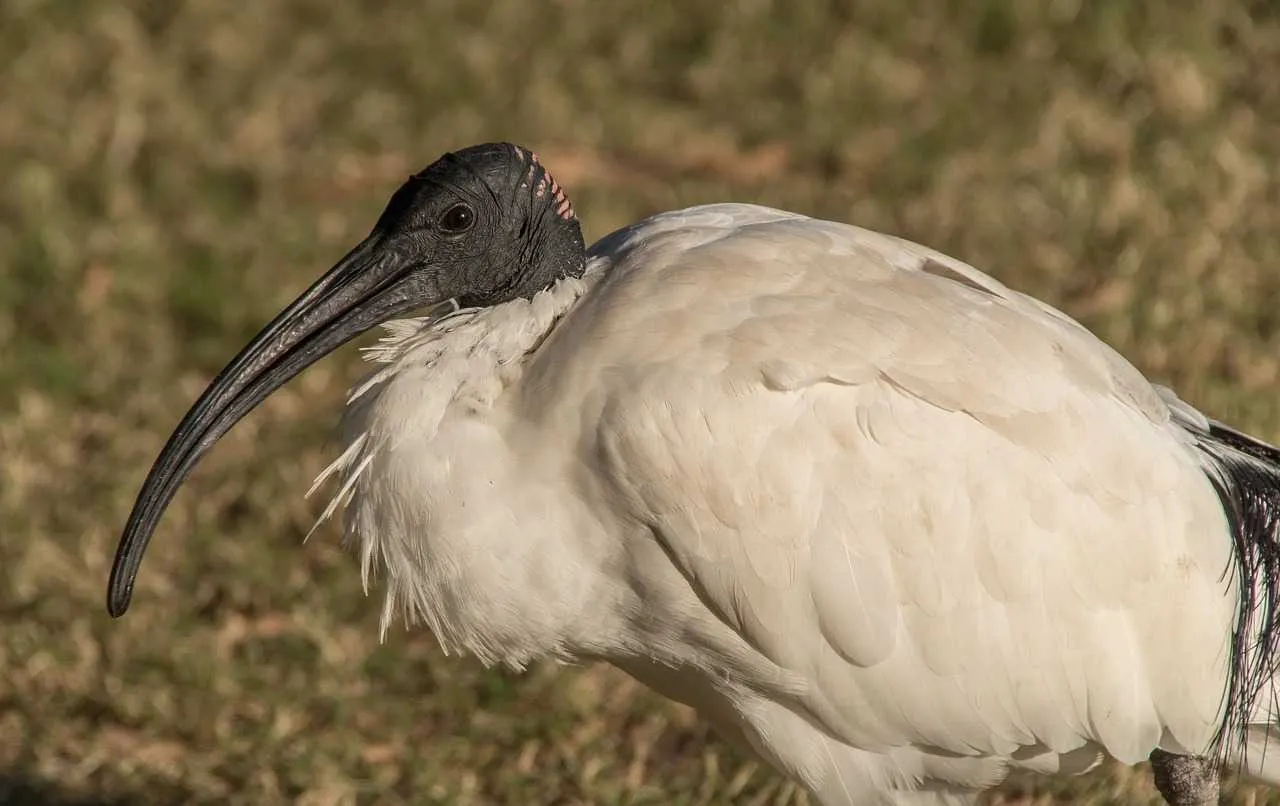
<point>920,508</point>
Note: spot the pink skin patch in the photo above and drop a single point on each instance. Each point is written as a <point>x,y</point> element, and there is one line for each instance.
<point>564,208</point>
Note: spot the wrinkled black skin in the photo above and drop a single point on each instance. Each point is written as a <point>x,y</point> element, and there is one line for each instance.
<point>517,244</point>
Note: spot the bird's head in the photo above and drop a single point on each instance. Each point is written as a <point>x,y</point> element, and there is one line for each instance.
<point>482,226</point>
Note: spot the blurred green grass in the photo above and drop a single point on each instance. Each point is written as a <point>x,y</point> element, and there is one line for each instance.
<point>176,172</point>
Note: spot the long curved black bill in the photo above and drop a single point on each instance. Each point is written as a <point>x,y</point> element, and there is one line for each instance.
<point>371,284</point>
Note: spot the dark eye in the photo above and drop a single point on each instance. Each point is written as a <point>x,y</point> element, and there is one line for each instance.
<point>457,218</point>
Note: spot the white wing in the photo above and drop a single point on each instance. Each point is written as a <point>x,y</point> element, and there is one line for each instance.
<point>950,516</point>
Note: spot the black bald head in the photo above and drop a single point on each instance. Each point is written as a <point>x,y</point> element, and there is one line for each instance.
<point>495,223</point>
<point>484,225</point>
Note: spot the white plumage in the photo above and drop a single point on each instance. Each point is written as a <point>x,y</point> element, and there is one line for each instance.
<point>871,497</point>
<point>885,521</point>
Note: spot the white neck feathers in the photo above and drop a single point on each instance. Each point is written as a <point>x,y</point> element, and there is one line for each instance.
<point>424,437</point>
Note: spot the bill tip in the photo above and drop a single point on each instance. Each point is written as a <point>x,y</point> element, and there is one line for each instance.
<point>118,602</point>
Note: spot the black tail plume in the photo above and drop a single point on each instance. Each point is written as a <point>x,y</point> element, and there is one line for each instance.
<point>1246,473</point>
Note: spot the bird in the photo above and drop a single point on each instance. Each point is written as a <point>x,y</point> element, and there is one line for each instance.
<point>887,524</point>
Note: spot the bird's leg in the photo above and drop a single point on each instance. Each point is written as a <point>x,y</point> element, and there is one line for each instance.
<point>1185,780</point>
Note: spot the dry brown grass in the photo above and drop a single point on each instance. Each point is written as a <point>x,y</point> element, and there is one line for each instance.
<point>175,172</point>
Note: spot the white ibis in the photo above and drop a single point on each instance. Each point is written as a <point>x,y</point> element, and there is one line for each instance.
<point>896,528</point>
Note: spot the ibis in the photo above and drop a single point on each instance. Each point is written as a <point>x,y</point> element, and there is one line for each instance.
<point>893,527</point>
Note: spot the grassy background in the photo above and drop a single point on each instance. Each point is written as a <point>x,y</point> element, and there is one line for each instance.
<point>174,172</point>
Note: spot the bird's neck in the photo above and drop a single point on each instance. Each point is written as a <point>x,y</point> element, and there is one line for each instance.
<point>446,491</point>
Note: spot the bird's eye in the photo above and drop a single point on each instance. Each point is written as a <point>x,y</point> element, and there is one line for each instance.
<point>457,218</point>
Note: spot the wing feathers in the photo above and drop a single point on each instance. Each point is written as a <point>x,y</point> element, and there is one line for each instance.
<point>961,518</point>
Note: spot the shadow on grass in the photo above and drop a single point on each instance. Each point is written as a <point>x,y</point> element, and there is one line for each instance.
<point>18,788</point>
